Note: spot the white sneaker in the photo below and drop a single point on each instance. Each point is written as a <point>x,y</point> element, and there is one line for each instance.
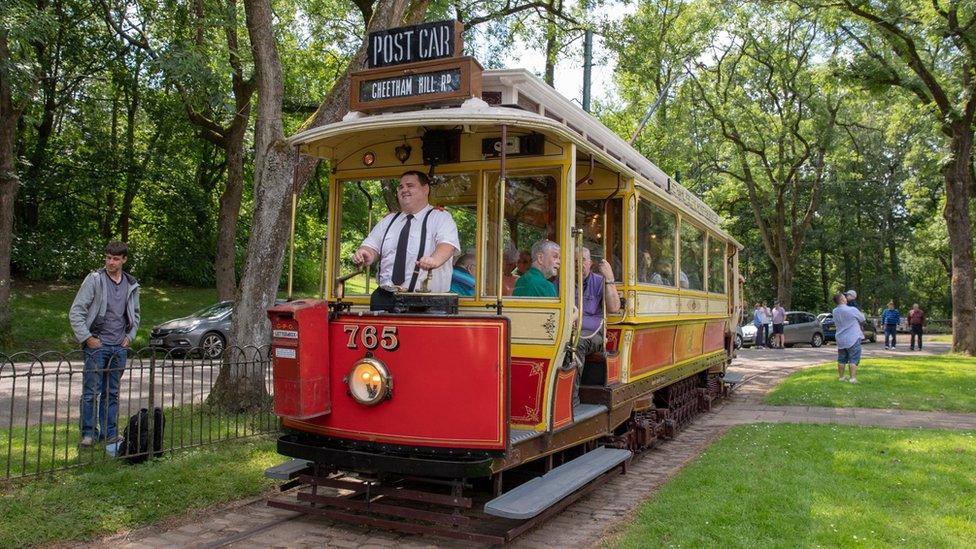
<point>853,380</point>
<point>887,347</point>
<point>842,378</point>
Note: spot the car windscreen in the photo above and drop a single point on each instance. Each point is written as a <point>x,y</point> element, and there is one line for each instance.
<point>214,311</point>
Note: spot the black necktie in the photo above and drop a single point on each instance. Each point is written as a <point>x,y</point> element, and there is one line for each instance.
<point>400,259</point>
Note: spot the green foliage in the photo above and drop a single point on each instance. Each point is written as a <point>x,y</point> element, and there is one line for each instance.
<point>942,382</point>
<point>816,486</point>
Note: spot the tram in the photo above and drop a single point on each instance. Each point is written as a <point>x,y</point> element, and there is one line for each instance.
<point>475,393</point>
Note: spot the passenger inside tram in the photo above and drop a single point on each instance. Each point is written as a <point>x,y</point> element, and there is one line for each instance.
<point>509,275</point>
<point>462,279</point>
<point>545,266</point>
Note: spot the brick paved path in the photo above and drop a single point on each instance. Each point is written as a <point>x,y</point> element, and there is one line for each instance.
<point>589,520</point>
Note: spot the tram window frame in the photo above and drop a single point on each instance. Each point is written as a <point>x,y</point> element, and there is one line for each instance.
<point>718,249</point>
<point>702,274</point>
<point>490,242</point>
<point>645,274</point>
<point>343,246</point>
<point>615,227</point>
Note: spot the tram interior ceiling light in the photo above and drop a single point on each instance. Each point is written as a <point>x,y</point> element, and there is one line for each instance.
<point>369,157</point>
<point>402,152</point>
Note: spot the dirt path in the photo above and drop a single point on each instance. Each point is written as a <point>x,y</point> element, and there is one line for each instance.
<point>587,522</point>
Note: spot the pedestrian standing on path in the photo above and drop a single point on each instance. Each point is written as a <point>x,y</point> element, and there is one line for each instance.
<point>890,319</point>
<point>104,317</point>
<point>767,315</point>
<point>759,320</point>
<point>848,321</point>
<point>779,317</point>
<point>916,319</point>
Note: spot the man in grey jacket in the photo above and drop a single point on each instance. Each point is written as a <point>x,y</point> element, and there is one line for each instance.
<point>104,317</point>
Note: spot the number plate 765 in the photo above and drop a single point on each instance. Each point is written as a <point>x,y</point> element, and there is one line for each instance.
<point>371,337</point>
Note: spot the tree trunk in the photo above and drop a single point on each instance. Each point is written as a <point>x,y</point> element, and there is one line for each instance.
<point>230,204</point>
<point>275,177</point>
<point>958,183</point>
<point>131,176</point>
<point>551,53</point>
<point>9,182</point>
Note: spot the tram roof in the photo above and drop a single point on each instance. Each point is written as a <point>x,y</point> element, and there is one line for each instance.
<point>527,102</point>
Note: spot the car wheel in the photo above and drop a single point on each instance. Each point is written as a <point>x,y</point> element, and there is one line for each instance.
<point>817,340</point>
<point>212,345</point>
<point>738,341</point>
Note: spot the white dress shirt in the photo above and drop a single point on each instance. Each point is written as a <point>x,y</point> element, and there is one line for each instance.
<point>440,229</point>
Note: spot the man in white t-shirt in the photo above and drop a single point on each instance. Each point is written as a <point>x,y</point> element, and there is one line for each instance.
<point>409,243</point>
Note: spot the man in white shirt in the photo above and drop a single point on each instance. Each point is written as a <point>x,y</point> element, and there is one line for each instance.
<point>417,238</point>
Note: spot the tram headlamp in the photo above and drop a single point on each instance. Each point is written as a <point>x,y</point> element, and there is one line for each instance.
<point>369,382</point>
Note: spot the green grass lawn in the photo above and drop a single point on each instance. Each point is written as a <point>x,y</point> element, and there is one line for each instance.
<point>912,382</point>
<point>817,486</point>
<point>41,313</point>
<point>937,338</point>
<point>106,497</point>
<point>45,447</point>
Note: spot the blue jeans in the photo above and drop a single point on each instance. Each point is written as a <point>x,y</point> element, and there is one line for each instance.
<point>100,383</point>
<point>891,330</point>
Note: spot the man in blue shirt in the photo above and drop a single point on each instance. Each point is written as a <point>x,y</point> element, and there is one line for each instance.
<point>890,319</point>
<point>848,321</point>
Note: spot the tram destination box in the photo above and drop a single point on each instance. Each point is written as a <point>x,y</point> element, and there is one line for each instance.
<point>442,81</point>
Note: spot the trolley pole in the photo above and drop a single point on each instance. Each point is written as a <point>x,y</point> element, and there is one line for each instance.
<point>587,68</point>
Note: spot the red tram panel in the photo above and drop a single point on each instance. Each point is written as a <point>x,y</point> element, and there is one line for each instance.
<point>449,381</point>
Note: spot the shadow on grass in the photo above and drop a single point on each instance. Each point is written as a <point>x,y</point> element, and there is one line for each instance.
<point>102,498</point>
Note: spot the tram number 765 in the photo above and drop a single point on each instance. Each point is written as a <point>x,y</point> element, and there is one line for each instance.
<point>371,337</point>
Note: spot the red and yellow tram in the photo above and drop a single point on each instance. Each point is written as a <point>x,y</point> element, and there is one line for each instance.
<point>477,390</point>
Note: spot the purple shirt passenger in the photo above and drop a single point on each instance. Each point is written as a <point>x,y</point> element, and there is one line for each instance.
<point>592,303</point>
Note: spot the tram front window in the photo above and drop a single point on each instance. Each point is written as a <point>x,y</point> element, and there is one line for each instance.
<point>365,203</point>
<point>531,209</point>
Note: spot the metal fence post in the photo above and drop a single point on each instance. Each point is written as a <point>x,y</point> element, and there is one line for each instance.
<point>152,399</point>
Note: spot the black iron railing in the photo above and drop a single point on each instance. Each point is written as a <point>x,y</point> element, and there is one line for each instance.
<point>43,396</point>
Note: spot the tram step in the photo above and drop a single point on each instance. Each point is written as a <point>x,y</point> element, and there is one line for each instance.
<point>540,493</point>
<point>289,469</point>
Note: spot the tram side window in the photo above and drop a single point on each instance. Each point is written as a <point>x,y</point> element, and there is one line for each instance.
<point>716,264</point>
<point>589,217</point>
<point>692,257</point>
<point>531,214</point>
<point>655,244</point>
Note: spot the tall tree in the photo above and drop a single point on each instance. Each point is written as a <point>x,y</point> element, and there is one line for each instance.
<point>22,26</point>
<point>762,88</point>
<point>928,49</point>
<point>224,125</point>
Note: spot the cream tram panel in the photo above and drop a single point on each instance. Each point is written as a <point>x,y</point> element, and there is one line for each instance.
<point>654,304</point>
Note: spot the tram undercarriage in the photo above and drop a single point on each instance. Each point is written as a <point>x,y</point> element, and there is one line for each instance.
<point>479,498</point>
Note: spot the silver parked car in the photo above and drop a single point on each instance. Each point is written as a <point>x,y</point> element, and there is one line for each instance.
<point>204,331</point>
<point>799,327</point>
